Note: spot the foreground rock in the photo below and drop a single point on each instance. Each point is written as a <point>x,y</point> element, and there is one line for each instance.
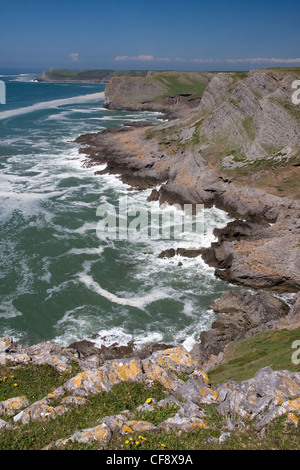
<point>262,398</point>
<point>267,396</point>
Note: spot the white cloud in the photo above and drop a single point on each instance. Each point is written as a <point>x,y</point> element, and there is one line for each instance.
<point>74,56</point>
<point>264,60</point>
<point>256,60</point>
<point>135,58</point>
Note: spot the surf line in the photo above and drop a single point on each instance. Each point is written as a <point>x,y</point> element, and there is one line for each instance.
<point>51,104</point>
<point>138,302</point>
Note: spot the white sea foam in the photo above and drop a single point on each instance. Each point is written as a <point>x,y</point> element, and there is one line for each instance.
<point>51,196</point>
<point>86,251</point>
<point>138,302</point>
<point>51,104</point>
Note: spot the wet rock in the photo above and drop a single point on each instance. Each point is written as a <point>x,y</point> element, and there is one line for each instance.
<point>84,348</point>
<point>170,253</point>
<point>295,310</point>
<point>92,356</point>
<point>189,253</point>
<point>154,196</point>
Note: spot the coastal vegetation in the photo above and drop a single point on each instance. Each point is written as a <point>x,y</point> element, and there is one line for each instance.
<point>241,361</point>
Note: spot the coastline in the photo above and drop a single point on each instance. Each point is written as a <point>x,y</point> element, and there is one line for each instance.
<point>102,397</point>
<point>259,218</point>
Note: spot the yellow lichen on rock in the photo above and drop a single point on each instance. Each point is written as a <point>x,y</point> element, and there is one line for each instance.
<point>123,370</point>
<point>10,406</point>
<point>156,373</point>
<point>137,426</point>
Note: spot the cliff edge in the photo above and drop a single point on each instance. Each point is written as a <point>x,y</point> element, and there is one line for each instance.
<point>238,149</point>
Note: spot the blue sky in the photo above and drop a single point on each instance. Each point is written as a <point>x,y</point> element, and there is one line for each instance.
<point>165,34</point>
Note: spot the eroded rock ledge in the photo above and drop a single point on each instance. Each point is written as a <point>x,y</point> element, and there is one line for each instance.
<point>260,249</point>
<point>239,150</point>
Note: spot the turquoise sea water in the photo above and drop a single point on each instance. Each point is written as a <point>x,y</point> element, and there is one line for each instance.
<point>58,280</point>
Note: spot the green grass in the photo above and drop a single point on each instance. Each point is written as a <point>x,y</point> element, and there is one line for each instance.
<point>36,435</point>
<point>182,84</point>
<point>244,358</point>
<point>248,125</point>
<point>34,381</point>
<point>73,75</point>
<point>284,69</point>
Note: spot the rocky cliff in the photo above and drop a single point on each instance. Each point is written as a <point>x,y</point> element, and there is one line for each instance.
<point>173,93</point>
<point>238,149</point>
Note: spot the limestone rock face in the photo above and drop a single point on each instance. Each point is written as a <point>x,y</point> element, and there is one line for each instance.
<point>11,406</point>
<point>197,391</point>
<point>262,398</point>
<point>154,92</point>
<point>241,315</point>
<point>177,359</point>
<point>238,149</point>
<point>99,433</point>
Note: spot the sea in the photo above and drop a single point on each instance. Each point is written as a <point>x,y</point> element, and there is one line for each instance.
<point>59,280</point>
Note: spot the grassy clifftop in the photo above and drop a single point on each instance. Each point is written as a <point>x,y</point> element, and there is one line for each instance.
<point>176,92</point>
<point>247,127</point>
<point>101,76</point>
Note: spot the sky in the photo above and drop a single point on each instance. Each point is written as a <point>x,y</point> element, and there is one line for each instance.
<point>152,34</point>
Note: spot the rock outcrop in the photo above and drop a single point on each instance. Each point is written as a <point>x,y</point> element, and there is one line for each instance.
<point>172,93</point>
<point>261,399</point>
<point>239,150</point>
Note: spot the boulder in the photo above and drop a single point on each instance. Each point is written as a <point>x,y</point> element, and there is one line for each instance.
<point>12,405</point>
<point>197,391</point>
<point>101,434</point>
<point>177,359</point>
